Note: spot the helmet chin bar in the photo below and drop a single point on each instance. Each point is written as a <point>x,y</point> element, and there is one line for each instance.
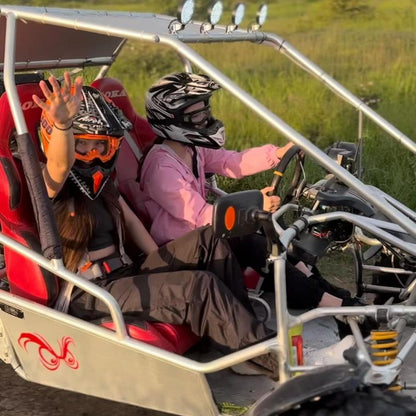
<point>212,137</point>
<point>91,178</point>
<point>86,186</point>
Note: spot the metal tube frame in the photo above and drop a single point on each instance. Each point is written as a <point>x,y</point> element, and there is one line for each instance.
<point>120,330</point>
<point>293,54</point>
<point>392,210</point>
<point>377,228</point>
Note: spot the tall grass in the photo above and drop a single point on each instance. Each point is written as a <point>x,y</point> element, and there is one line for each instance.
<point>366,45</point>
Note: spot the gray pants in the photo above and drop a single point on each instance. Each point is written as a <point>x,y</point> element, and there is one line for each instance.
<point>194,280</point>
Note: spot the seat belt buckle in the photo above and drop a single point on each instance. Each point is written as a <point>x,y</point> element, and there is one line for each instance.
<point>109,265</point>
<point>106,267</point>
<point>86,266</point>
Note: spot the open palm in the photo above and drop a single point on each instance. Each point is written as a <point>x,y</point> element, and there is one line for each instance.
<point>62,103</point>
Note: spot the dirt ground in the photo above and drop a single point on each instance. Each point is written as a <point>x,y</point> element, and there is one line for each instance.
<point>21,398</point>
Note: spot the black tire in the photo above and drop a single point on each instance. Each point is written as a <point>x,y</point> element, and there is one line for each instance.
<point>368,401</point>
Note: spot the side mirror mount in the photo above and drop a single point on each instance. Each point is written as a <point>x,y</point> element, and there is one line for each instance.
<point>346,154</point>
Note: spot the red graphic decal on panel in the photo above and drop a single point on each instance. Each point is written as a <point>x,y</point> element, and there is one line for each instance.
<point>48,357</point>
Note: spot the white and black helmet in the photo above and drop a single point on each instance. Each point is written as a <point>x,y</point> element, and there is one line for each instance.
<point>98,115</point>
<point>166,102</point>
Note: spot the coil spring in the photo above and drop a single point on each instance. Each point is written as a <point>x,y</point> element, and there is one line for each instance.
<point>384,347</point>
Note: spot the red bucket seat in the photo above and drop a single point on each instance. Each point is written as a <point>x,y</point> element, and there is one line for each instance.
<point>17,221</point>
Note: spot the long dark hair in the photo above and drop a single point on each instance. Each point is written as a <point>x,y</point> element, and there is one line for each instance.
<point>75,221</point>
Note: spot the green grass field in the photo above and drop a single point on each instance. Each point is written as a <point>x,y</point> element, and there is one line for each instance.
<point>367,45</point>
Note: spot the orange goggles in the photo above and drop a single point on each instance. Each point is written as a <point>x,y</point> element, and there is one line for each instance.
<point>89,147</point>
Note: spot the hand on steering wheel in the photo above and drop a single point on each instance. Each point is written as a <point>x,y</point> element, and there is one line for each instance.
<point>270,203</point>
<point>281,168</point>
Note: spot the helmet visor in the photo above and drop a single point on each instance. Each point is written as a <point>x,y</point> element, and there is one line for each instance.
<point>90,147</point>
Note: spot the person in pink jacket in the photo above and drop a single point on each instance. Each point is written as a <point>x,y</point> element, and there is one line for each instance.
<point>190,143</point>
<point>173,173</point>
<point>174,189</point>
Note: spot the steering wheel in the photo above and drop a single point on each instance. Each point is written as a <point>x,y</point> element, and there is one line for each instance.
<point>294,151</point>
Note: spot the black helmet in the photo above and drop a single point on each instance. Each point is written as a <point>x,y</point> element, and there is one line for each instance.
<point>166,102</point>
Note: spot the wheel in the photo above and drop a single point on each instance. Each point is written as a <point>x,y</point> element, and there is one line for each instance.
<point>333,390</point>
<point>369,401</point>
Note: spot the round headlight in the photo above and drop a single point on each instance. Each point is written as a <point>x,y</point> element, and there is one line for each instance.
<point>238,13</point>
<point>186,11</point>
<point>262,14</point>
<point>215,12</point>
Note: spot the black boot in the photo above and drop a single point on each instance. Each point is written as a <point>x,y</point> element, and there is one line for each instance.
<point>329,287</point>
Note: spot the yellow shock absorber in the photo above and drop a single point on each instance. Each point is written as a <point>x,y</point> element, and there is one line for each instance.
<point>384,347</point>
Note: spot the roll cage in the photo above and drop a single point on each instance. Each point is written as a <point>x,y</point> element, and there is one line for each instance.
<point>95,39</point>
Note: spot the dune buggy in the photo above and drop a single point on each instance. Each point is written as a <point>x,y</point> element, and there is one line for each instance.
<point>147,364</point>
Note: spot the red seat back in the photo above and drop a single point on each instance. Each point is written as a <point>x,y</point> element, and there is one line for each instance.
<point>16,214</point>
<point>114,90</point>
<point>128,167</point>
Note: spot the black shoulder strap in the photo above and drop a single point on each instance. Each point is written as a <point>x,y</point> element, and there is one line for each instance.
<point>195,162</point>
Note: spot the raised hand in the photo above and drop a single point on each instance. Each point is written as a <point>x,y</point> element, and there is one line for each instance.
<point>62,103</point>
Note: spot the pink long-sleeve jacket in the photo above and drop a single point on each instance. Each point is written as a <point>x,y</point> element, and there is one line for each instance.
<point>175,199</point>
